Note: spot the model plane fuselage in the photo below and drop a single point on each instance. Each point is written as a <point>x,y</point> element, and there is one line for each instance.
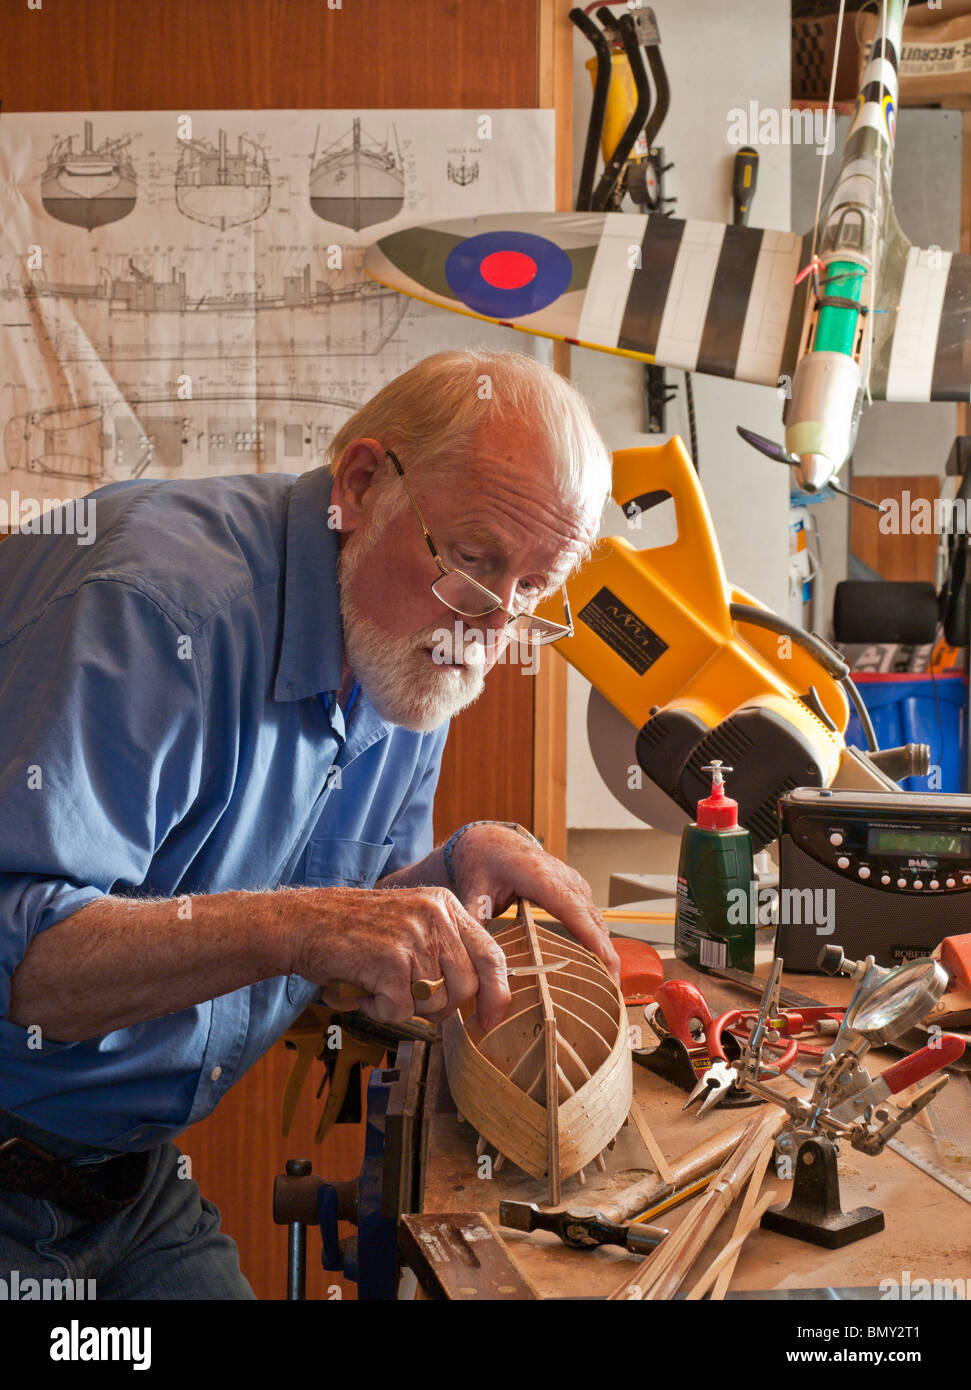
<point>822,414</point>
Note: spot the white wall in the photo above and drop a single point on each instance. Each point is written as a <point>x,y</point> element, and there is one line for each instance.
<point>717,56</point>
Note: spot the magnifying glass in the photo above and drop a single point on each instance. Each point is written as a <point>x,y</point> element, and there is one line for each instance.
<point>899,1001</point>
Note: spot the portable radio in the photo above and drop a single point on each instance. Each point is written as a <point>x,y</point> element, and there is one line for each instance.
<point>886,874</point>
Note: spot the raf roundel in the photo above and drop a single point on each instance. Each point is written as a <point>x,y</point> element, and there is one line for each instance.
<point>890,118</point>
<point>504,275</point>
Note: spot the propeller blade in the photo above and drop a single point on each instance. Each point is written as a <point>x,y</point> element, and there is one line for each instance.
<point>767,447</point>
<point>854,496</point>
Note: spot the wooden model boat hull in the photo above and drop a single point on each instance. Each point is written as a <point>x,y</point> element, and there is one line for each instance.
<point>569,1023</point>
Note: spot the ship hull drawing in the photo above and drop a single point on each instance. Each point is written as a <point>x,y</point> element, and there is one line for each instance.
<point>136,317</point>
<point>89,187</point>
<point>358,184</point>
<point>215,433</point>
<point>463,173</point>
<point>222,189</point>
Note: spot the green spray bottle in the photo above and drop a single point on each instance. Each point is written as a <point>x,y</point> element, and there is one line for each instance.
<point>712,929</point>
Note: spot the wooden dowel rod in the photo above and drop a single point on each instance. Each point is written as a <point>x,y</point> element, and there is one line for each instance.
<point>748,1202</point>
<point>664,1170</point>
<point>683,1247</point>
<point>743,1229</point>
<point>703,1158</point>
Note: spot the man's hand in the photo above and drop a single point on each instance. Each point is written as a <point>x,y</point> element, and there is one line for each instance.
<point>494,866</point>
<point>385,941</point>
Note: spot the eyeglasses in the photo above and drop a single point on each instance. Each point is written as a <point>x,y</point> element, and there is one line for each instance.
<point>465,595</point>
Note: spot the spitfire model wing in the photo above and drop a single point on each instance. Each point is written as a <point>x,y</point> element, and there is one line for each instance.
<point>922,336</point>
<point>698,295</point>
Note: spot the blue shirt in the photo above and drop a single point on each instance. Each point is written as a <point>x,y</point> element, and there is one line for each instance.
<point>169,726</point>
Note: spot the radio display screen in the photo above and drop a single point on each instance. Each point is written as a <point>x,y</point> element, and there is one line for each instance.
<point>916,842</point>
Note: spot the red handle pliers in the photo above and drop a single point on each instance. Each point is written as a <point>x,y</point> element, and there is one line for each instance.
<point>789,1023</point>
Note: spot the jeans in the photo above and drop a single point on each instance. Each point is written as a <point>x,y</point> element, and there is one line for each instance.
<point>165,1245</point>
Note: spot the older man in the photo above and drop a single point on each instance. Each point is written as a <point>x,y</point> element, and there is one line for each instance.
<point>220,724</point>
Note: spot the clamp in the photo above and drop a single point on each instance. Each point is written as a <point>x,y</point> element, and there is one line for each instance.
<point>341,1051</point>
<point>771,1026</point>
<point>358,1042</point>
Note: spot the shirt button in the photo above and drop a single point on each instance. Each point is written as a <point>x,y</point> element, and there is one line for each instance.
<point>215,1074</point>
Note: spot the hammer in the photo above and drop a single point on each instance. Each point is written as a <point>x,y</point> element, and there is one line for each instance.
<point>581,1231</point>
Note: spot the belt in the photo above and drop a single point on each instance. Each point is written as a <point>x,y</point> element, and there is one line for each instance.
<point>91,1192</point>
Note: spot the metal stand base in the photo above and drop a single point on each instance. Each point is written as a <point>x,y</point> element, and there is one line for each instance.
<point>814,1213</point>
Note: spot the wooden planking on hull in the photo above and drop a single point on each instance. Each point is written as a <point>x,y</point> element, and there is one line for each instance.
<point>551,1085</point>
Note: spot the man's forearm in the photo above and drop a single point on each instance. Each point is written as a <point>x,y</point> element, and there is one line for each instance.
<point>120,961</point>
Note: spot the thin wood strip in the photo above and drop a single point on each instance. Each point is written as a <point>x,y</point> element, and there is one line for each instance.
<point>513,933</point>
<point>743,1229</point>
<point>748,1202</point>
<point>552,1112</point>
<point>552,1063</point>
<point>540,1076</point>
<point>702,1159</point>
<point>565,945</point>
<point>584,1026</point>
<point>615,914</point>
<point>537,1042</point>
<point>698,1226</point>
<point>716,1201</point>
<point>705,1157</point>
<point>665,1253</point>
<point>679,1251</point>
<point>562,1076</point>
<point>572,1054</point>
<point>495,1034</point>
<point>664,1170</point>
<point>586,1009</point>
<point>539,1080</point>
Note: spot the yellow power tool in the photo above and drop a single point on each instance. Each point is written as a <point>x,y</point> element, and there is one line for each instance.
<point>701,669</point>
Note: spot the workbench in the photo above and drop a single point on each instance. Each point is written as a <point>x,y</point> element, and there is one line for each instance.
<point>928,1227</point>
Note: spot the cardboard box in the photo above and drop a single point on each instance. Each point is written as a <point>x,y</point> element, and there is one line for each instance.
<point>935,58</point>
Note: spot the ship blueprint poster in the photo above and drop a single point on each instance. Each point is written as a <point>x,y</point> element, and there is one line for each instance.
<point>181,293</point>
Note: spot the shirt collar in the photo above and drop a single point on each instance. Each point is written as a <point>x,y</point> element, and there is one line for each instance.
<point>312,646</point>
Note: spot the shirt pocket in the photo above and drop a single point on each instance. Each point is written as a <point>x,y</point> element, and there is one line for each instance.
<point>345,863</point>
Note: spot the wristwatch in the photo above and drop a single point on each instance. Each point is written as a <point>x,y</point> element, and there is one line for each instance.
<point>453,840</point>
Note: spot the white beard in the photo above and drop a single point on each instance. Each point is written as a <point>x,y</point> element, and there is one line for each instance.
<point>402,681</point>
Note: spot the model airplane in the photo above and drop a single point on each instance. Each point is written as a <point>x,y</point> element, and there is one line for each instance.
<point>885,319</point>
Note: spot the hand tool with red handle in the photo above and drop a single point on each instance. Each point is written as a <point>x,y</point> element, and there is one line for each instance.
<point>907,1072</point>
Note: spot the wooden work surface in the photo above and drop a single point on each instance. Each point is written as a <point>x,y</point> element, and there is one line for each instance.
<point>928,1228</point>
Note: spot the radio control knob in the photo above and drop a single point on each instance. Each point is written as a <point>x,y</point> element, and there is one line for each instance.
<point>934,883</point>
<point>966,878</point>
<point>863,871</point>
<point>918,883</point>
<point>949,883</point>
<point>836,838</point>
<point>901,883</point>
<point>842,862</point>
<point>884,878</point>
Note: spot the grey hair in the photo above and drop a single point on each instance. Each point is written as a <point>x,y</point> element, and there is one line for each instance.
<point>431,414</point>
